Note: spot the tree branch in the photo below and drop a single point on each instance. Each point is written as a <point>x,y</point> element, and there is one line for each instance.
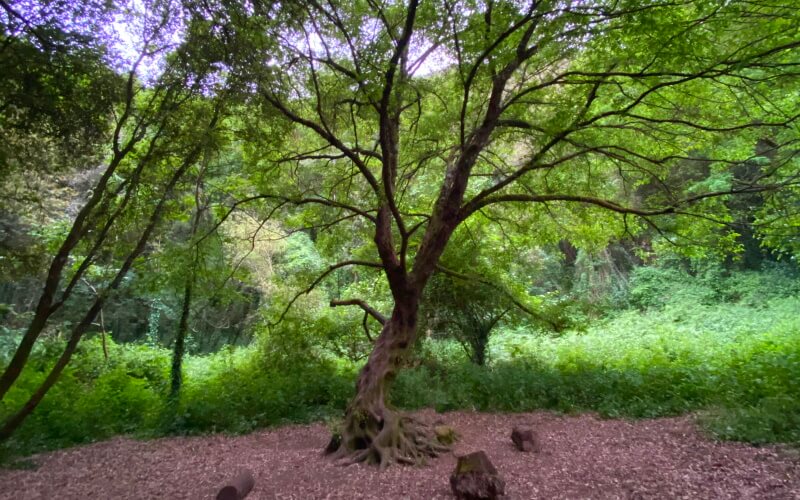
<point>519,305</point>
<point>614,206</point>
<point>329,270</point>
<point>332,139</point>
<point>380,318</point>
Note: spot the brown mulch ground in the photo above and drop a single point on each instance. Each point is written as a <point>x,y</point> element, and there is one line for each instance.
<point>581,457</point>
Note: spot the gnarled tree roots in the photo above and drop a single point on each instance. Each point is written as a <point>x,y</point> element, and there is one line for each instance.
<point>394,438</point>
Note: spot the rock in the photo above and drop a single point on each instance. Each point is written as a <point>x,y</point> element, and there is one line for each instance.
<point>445,434</point>
<point>475,478</point>
<point>237,487</point>
<point>525,439</point>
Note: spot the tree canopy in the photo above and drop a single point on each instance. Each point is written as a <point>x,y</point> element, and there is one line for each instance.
<point>595,119</point>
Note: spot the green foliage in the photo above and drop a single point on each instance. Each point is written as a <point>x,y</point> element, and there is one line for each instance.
<point>657,287</point>
<point>635,128</point>
<point>480,291</point>
<point>56,94</point>
<point>233,390</point>
<point>465,311</point>
<point>299,257</point>
<point>742,360</point>
<point>93,399</point>
<point>239,392</point>
<point>738,363</point>
<point>687,352</point>
<point>771,420</point>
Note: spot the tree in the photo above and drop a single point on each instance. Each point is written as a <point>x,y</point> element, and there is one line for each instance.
<point>465,311</point>
<point>55,100</point>
<point>411,119</point>
<point>158,133</point>
<point>480,281</point>
<point>176,372</point>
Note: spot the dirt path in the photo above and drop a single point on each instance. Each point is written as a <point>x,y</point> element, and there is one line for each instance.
<point>581,457</point>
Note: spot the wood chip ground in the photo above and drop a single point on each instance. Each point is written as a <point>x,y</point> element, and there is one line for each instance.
<point>582,457</point>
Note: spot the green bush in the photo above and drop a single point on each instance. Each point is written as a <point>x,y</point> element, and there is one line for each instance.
<point>772,420</point>
<point>244,395</point>
<point>93,399</point>
<point>231,391</point>
<point>657,287</point>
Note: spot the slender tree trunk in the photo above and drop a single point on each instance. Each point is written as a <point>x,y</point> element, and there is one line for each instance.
<point>24,348</point>
<point>183,325</point>
<point>15,420</point>
<point>11,424</point>
<point>479,350</point>
<point>102,324</point>
<point>47,304</point>
<point>180,341</point>
<point>103,335</point>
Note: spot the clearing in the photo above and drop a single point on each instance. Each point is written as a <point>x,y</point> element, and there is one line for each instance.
<point>582,457</point>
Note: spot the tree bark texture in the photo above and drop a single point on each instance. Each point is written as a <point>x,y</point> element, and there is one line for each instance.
<point>372,431</point>
<point>180,341</point>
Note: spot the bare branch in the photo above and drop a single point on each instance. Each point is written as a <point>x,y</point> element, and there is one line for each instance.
<point>329,270</point>
<point>380,318</point>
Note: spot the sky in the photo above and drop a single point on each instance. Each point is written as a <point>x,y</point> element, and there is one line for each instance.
<point>127,29</point>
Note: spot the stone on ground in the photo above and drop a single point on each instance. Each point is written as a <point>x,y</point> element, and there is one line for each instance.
<point>525,439</point>
<point>475,478</point>
<point>445,434</point>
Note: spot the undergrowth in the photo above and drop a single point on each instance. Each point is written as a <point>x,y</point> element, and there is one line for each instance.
<point>742,362</point>
<point>727,348</point>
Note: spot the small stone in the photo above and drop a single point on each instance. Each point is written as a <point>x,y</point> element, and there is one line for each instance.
<point>237,487</point>
<point>475,478</point>
<point>525,439</point>
<point>445,434</point>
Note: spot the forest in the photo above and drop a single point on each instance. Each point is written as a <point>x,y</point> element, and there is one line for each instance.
<point>367,222</point>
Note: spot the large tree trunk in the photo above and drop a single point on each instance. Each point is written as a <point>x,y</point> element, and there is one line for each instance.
<point>372,431</point>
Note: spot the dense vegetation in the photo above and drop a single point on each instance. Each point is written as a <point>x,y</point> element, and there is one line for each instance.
<point>726,345</point>
<point>219,216</point>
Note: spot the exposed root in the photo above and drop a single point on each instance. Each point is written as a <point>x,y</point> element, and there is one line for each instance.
<point>394,439</point>
<point>371,431</point>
